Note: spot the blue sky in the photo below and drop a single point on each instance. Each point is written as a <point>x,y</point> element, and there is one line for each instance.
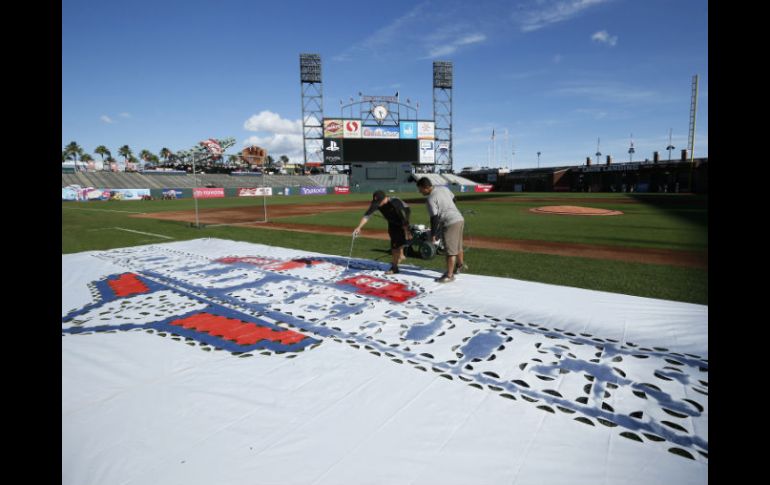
<point>554,74</point>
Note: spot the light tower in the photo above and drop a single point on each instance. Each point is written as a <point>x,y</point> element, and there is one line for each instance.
<point>442,112</point>
<point>312,107</point>
<point>670,145</point>
<point>691,140</point>
<point>631,149</point>
<point>598,152</point>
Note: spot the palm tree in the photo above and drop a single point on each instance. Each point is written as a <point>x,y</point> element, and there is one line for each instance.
<point>102,151</point>
<point>73,150</point>
<point>164,154</point>
<point>125,152</point>
<point>145,155</point>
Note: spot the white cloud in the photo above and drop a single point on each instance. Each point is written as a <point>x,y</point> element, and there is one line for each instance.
<point>385,37</point>
<point>272,122</point>
<point>605,38</point>
<point>278,144</point>
<point>549,12</point>
<point>125,115</point>
<point>431,27</point>
<point>106,119</point>
<point>444,49</point>
<point>283,137</point>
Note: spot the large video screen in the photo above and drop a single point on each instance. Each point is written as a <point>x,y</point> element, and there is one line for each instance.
<point>376,150</point>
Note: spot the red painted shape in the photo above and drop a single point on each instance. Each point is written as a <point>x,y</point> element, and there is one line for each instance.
<point>269,264</point>
<point>368,285</point>
<point>243,333</point>
<point>127,284</point>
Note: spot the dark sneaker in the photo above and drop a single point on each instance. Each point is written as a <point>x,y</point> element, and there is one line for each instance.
<point>445,279</point>
<point>392,270</point>
<point>461,268</point>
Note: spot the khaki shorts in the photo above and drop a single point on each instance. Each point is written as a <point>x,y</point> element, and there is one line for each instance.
<point>453,238</point>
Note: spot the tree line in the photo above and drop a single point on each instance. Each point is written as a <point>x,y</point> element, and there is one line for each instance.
<point>73,151</point>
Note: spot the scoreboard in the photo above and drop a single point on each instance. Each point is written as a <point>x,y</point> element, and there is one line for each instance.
<point>346,142</point>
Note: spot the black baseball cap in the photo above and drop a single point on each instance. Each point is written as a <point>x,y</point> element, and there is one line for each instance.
<point>377,197</point>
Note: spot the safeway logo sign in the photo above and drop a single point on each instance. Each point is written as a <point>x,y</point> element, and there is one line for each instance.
<point>352,129</point>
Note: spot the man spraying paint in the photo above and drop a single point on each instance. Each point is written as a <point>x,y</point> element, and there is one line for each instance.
<point>443,213</point>
<point>396,212</point>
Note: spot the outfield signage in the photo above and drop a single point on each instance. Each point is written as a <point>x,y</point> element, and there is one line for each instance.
<point>255,192</point>
<point>312,190</point>
<point>426,130</point>
<point>332,151</point>
<point>389,132</point>
<point>484,188</point>
<point>173,194</point>
<point>207,193</point>
<point>351,129</point>
<point>408,129</point>
<point>332,128</point>
<point>341,190</point>
<point>127,194</point>
<point>427,154</point>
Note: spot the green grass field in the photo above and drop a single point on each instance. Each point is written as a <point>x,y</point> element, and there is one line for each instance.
<point>661,221</point>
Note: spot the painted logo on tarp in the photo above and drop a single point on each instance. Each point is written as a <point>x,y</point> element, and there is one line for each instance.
<point>250,304</point>
<point>131,301</point>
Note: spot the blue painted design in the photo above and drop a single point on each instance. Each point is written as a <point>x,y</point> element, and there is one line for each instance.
<point>481,345</point>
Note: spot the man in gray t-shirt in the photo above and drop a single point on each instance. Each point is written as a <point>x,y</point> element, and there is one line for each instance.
<point>444,216</point>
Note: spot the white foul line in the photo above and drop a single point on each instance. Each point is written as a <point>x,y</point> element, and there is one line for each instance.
<point>140,232</point>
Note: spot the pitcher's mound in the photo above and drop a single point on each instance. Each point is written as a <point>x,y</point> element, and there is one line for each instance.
<point>572,210</point>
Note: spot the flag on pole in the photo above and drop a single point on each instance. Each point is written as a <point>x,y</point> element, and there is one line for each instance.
<point>493,133</point>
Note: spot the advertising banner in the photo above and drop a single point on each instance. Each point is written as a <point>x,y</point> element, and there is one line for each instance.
<point>98,194</point>
<point>332,128</point>
<point>207,193</point>
<point>332,152</point>
<point>255,192</point>
<point>408,129</point>
<point>172,193</point>
<point>126,194</point>
<point>352,129</point>
<point>427,151</point>
<point>426,130</point>
<point>390,132</point>
<point>442,148</point>
<point>312,190</point>
<point>342,190</point>
<point>483,188</point>
<point>68,193</point>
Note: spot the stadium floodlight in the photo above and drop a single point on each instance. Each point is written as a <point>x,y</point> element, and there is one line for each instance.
<point>538,159</point>
<point>310,68</point>
<point>442,74</point>
<point>670,145</point>
<point>598,152</point>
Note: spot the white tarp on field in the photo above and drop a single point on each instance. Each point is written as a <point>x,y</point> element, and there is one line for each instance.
<point>220,362</point>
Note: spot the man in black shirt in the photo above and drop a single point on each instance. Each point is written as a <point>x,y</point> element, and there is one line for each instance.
<point>396,212</point>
